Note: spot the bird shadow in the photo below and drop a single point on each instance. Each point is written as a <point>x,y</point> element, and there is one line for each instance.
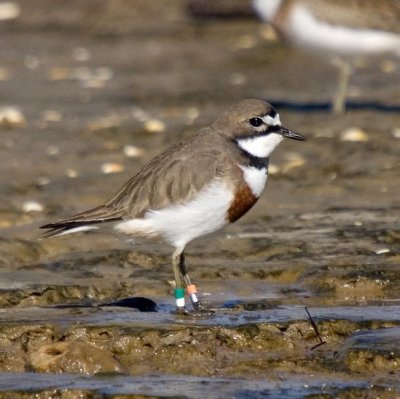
<point>141,304</point>
<point>327,106</point>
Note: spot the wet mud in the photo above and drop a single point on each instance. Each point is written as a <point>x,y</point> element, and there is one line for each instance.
<point>87,95</point>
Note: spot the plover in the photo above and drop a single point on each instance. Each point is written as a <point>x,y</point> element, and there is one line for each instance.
<point>208,180</point>
<point>343,29</point>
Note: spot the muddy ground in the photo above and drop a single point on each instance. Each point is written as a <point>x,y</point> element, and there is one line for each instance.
<point>91,90</point>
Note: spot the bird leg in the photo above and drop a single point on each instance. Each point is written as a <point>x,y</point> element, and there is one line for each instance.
<point>199,309</point>
<point>179,289</point>
<point>191,288</point>
<point>339,101</point>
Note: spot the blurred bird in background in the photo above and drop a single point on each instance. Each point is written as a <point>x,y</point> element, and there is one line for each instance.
<point>343,30</point>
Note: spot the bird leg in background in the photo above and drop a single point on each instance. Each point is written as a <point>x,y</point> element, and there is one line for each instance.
<point>339,101</point>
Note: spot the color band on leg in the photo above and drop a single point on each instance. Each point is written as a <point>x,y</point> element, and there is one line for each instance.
<point>180,297</point>
<point>192,291</point>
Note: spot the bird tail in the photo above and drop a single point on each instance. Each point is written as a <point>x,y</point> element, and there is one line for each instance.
<point>82,222</point>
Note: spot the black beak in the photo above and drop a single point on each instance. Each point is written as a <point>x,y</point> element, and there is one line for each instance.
<point>290,135</point>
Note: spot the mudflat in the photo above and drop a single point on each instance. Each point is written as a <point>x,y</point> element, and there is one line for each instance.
<point>88,93</point>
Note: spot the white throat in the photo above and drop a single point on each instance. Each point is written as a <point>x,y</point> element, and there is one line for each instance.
<point>260,146</point>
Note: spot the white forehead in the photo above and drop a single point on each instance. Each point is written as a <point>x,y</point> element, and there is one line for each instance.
<point>272,121</point>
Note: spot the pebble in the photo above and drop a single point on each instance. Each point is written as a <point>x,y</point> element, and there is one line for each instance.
<point>111,167</point>
<point>246,42</point>
<point>52,150</point>
<point>88,77</point>
<point>43,181</point>
<point>382,251</point>
<point>111,145</point>
<point>4,74</point>
<point>388,66</point>
<point>139,114</point>
<point>354,134</point>
<point>11,117</point>
<point>132,151</point>
<point>81,54</point>
<point>293,161</point>
<point>107,122</point>
<point>32,206</point>
<point>31,62</point>
<point>325,133</point>
<point>267,32</point>
<point>58,73</point>
<point>273,169</point>
<point>238,79</point>
<point>154,126</point>
<point>9,10</point>
<point>192,114</point>
<point>72,173</point>
<point>396,132</point>
<point>51,116</point>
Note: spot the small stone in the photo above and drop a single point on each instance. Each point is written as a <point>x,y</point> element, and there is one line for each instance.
<point>382,251</point>
<point>32,206</point>
<point>51,116</point>
<point>354,134</point>
<point>111,167</point>
<point>103,73</point>
<point>293,161</point>
<point>31,62</point>
<point>43,181</point>
<point>111,145</point>
<point>325,133</point>
<point>93,84</point>
<point>396,132</point>
<point>58,73</point>
<point>267,32</point>
<point>154,126</point>
<point>192,114</point>
<point>81,54</point>
<point>9,10</point>
<point>132,151</point>
<point>4,74</point>
<point>71,173</point>
<point>238,79</point>
<point>11,117</point>
<point>52,150</point>
<point>388,66</point>
<point>273,169</point>
<point>139,114</point>
<point>246,42</point>
<point>106,122</point>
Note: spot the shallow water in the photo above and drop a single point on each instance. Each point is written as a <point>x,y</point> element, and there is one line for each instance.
<point>325,234</point>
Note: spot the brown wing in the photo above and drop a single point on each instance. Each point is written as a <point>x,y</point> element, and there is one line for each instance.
<point>174,176</point>
<point>359,14</point>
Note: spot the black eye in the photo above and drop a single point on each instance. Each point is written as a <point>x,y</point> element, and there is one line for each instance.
<point>256,122</point>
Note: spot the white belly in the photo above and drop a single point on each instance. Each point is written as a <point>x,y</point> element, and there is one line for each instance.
<point>307,31</point>
<point>181,223</point>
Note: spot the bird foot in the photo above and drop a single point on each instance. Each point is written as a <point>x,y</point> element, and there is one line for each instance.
<point>182,311</point>
<point>199,311</point>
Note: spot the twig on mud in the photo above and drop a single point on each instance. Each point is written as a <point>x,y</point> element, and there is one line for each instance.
<point>314,326</point>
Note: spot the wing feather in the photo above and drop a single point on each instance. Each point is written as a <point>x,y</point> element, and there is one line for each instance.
<point>174,176</point>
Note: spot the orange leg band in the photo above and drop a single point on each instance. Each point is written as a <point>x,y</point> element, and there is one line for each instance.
<point>191,289</point>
